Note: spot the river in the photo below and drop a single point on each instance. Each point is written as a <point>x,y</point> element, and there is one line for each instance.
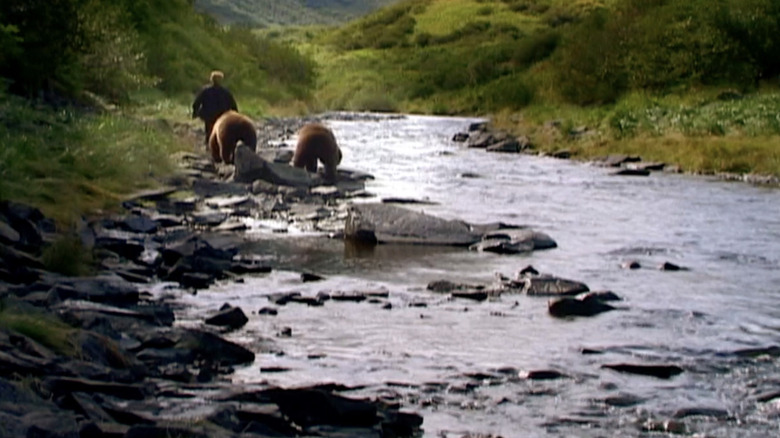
<point>460,363</point>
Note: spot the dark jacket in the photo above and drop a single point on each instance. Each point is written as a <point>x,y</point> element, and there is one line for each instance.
<point>212,101</point>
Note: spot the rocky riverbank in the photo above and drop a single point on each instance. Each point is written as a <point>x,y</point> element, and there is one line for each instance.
<point>484,136</point>
<point>102,355</point>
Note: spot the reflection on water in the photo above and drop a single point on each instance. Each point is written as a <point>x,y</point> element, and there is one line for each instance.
<point>424,350</point>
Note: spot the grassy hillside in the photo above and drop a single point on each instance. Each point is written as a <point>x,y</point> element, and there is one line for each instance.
<point>86,87</point>
<point>288,12</point>
<point>693,82</point>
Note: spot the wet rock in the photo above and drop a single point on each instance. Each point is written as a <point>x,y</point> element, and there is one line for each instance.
<point>310,407</point>
<point>384,223</point>
<point>770,351</point>
<point>460,137</point>
<point>446,286</point>
<point>720,414</point>
<point>251,167</point>
<point>308,277</point>
<point>631,264</point>
<point>232,318</point>
<point>632,172</point>
<point>550,286</point>
<point>268,311</point>
<point>659,371</point>
<point>666,266</point>
<point>543,375</point>
<point>396,200</point>
<point>528,271</point>
<point>59,386</point>
<point>129,245</point>
<point>471,295</point>
<point>513,241</point>
<point>477,126</point>
<point>623,400</point>
<point>105,288</point>
<point>265,419</point>
<point>354,297</point>
<point>589,305</point>
<point>24,225</point>
<point>280,299</point>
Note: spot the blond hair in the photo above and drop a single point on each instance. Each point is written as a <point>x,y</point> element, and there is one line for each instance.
<point>216,77</point>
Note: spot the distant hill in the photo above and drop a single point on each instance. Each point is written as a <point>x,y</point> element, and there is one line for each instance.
<point>288,12</point>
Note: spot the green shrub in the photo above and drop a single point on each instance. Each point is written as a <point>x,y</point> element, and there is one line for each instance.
<point>508,92</point>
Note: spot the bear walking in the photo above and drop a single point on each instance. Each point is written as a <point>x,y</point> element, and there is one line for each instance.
<point>230,128</point>
<point>317,142</point>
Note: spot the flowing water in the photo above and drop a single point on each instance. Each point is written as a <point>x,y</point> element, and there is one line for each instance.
<point>460,363</point>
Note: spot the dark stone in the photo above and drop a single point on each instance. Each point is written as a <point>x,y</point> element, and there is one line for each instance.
<point>307,277</point>
<point>386,223</point>
<point>631,264</point>
<point>65,385</point>
<point>268,311</point>
<point>528,271</point>
<point>544,375</point>
<point>352,297</point>
<point>310,407</point>
<point>659,371</point>
<point>249,267</point>
<point>233,318</point>
<point>666,266</point>
<point>196,280</point>
<point>632,172</point>
<point>551,286</point>
<point>720,414</point>
<point>567,306</point>
<point>471,295</point>
<point>460,137</point>
<point>513,241</point>
<point>214,348</point>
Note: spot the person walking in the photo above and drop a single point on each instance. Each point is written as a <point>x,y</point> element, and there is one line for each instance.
<point>212,101</point>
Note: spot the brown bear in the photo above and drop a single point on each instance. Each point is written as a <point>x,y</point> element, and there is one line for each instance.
<point>317,142</point>
<point>230,128</point>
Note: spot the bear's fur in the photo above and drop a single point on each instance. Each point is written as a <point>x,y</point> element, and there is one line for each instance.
<point>317,142</point>
<point>230,128</point>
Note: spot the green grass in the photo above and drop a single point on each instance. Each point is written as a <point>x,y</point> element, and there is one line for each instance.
<point>68,162</point>
<point>697,130</point>
<point>38,326</point>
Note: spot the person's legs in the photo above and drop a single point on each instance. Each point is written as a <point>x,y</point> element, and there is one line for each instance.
<point>209,126</point>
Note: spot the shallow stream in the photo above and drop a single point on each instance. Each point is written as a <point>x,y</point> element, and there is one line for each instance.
<point>460,363</point>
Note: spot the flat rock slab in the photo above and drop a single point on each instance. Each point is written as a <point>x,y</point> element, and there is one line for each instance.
<point>514,241</point>
<point>386,223</point>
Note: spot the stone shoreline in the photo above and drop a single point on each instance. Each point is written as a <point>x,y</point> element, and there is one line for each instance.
<point>101,356</point>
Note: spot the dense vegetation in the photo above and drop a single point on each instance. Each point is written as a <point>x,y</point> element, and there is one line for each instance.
<point>112,48</point>
<point>694,81</point>
<point>287,12</point>
<point>136,58</point>
<point>697,75</point>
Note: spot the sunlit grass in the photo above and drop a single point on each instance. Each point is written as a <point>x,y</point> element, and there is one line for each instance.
<point>697,131</point>
<point>444,17</point>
